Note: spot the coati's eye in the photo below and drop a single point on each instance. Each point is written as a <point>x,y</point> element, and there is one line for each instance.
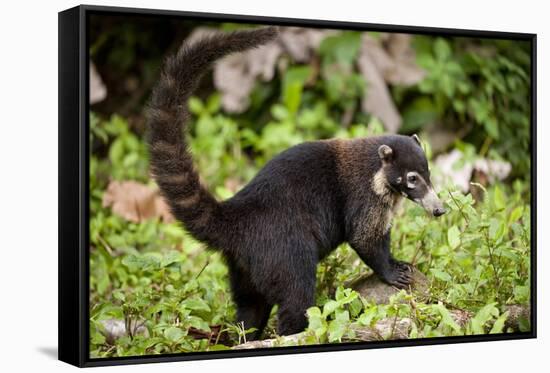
<point>412,177</point>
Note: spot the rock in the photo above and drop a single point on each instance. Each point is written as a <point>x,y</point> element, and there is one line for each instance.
<point>116,328</point>
<point>377,291</point>
<point>461,317</point>
<point>389,328</point>
<point>516,312</point>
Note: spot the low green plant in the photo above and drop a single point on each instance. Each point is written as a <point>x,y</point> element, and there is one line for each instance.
<point>172,294</point>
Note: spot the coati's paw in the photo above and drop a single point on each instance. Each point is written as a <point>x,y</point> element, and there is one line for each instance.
<point>401,275</point>
<point>403,265</point>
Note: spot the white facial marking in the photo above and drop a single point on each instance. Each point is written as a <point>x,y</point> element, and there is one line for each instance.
<point>398,201</point>
<point>431,201</point>
<point>379,183</point>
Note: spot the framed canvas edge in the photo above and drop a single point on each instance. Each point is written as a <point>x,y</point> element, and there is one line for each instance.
<point>73,205</point>
<point>71,218</point>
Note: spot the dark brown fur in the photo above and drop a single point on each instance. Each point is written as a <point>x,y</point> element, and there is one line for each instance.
<point>299,207</point>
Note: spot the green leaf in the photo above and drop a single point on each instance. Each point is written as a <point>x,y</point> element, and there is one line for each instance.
<point>223,192</point>
<point>338,326</point>
<point>195,106</point>
<point>174,334</point>
<point>345,295</point>
<point>355,307</point>
<point>498,326</point>
<point>441,275</point>
<point>497,228</point>
<point>491,126</point>
<point>453,237</point>
<point>342,48</point>
<point>213,103</point>
<point>481,318</point>
<point>442,49</point>
<point>197,323</point>
<point>515,214</point>
<point>317,322</point>
<point>98,338</point>
<point>196,304</point>
<point>117,294</point>
<point>368,316</point>
<point>330,307</point>
<point>170,258</point>
<point>498,198</point>
<point>218,347</point>
<point>279,112</point>
<point>446,318</point>
<point>293,83</point>
<point>314,312</point>
<point>522,293</point>
<point>524,324</point>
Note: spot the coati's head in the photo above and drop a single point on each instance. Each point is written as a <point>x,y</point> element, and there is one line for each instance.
<point>405,171</point>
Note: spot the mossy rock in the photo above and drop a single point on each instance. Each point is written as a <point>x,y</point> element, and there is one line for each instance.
<point>372,288</point>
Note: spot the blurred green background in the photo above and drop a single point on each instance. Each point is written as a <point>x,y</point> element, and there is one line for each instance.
<point>468,99</point>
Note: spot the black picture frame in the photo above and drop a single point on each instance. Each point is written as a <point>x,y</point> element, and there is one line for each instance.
<point>73,75</point>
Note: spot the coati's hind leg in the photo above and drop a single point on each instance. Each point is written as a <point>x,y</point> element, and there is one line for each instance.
<point>298,296</point>
<point>253,312</point>
<point>253,309</point>
<point>378,257</point>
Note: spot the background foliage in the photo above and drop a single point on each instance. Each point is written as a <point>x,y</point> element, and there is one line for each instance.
<point>172,294</point>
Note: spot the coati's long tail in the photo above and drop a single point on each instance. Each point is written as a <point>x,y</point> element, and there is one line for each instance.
<point>171,161</point>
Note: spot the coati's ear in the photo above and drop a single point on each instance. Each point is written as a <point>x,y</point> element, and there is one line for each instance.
<point>385,152</point>
<point>417,139</point>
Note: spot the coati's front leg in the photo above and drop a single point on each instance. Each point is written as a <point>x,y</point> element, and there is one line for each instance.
<point>376,254</point>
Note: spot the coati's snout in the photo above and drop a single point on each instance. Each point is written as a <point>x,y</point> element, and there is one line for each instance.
<point>406,170</point>
<point>432,203</point>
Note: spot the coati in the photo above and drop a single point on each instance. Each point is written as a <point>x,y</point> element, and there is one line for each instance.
<point>303,204</point>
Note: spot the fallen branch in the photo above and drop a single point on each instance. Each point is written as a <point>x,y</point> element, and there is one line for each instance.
<point>389,328</point>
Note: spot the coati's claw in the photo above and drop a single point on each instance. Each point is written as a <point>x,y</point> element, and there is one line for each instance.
<point>406,266</point>
<point>401,276</point>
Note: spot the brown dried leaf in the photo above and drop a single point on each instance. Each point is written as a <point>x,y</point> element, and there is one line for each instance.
<point>136,202</point>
